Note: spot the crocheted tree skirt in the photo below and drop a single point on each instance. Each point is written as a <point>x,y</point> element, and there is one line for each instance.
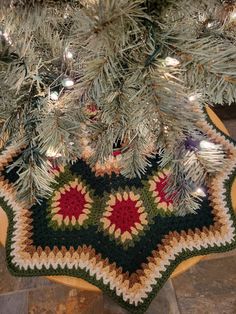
<point>118,234</point>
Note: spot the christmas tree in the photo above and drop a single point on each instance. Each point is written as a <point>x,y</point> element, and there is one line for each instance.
<point>115,82</point>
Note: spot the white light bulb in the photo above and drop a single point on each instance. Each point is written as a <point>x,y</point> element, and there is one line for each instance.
<point>194,97</point>
<point>233,16</point>
<point>67,82</point>
<point>54,96</point>
<point>68,54</point>
<point>6,36</point>
<point>52,153</point>
<point>210,24</point>
<point>171,61</point>
<point>207,145</point>
<point>200,192</point>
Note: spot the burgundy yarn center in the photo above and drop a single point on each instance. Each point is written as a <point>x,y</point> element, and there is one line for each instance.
<point>71,203</point>
<point>160,188</point>
<point>124,215</point>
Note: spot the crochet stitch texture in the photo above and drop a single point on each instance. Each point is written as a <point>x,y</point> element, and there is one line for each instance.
<point>116,233</point>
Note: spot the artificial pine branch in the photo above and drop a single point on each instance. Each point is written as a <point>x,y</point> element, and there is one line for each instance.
<point>206,52</point>
<point>142,63</point>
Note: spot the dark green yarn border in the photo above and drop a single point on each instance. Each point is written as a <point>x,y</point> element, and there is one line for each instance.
<point>83,274</point>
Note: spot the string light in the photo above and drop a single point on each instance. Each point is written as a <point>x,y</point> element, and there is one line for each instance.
<point>52,153</point>
<point>171,61</point>
<point>166,129</point>
<point>194,97</point>
<point>200,192</point>
<point>67,82</point>
<point>233,16</point>
<point>210,24</point>
<point>191,144</point>
<point>54,96</point>
<point>207,145</point>
<point>68,54</point>
<point>6,36</point>
<point>66,15</point>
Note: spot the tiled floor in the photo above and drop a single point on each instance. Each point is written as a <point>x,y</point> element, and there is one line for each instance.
<point>207,288</point>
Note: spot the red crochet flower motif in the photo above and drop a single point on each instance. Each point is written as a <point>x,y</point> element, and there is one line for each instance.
<point>157,186</point>
<point>71,204</point>
<point>124,215</point>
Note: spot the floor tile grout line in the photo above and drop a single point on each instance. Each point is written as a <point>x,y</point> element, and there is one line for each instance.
<point>175,295</point>
<point>28,290</point>
<point>27,301</point>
